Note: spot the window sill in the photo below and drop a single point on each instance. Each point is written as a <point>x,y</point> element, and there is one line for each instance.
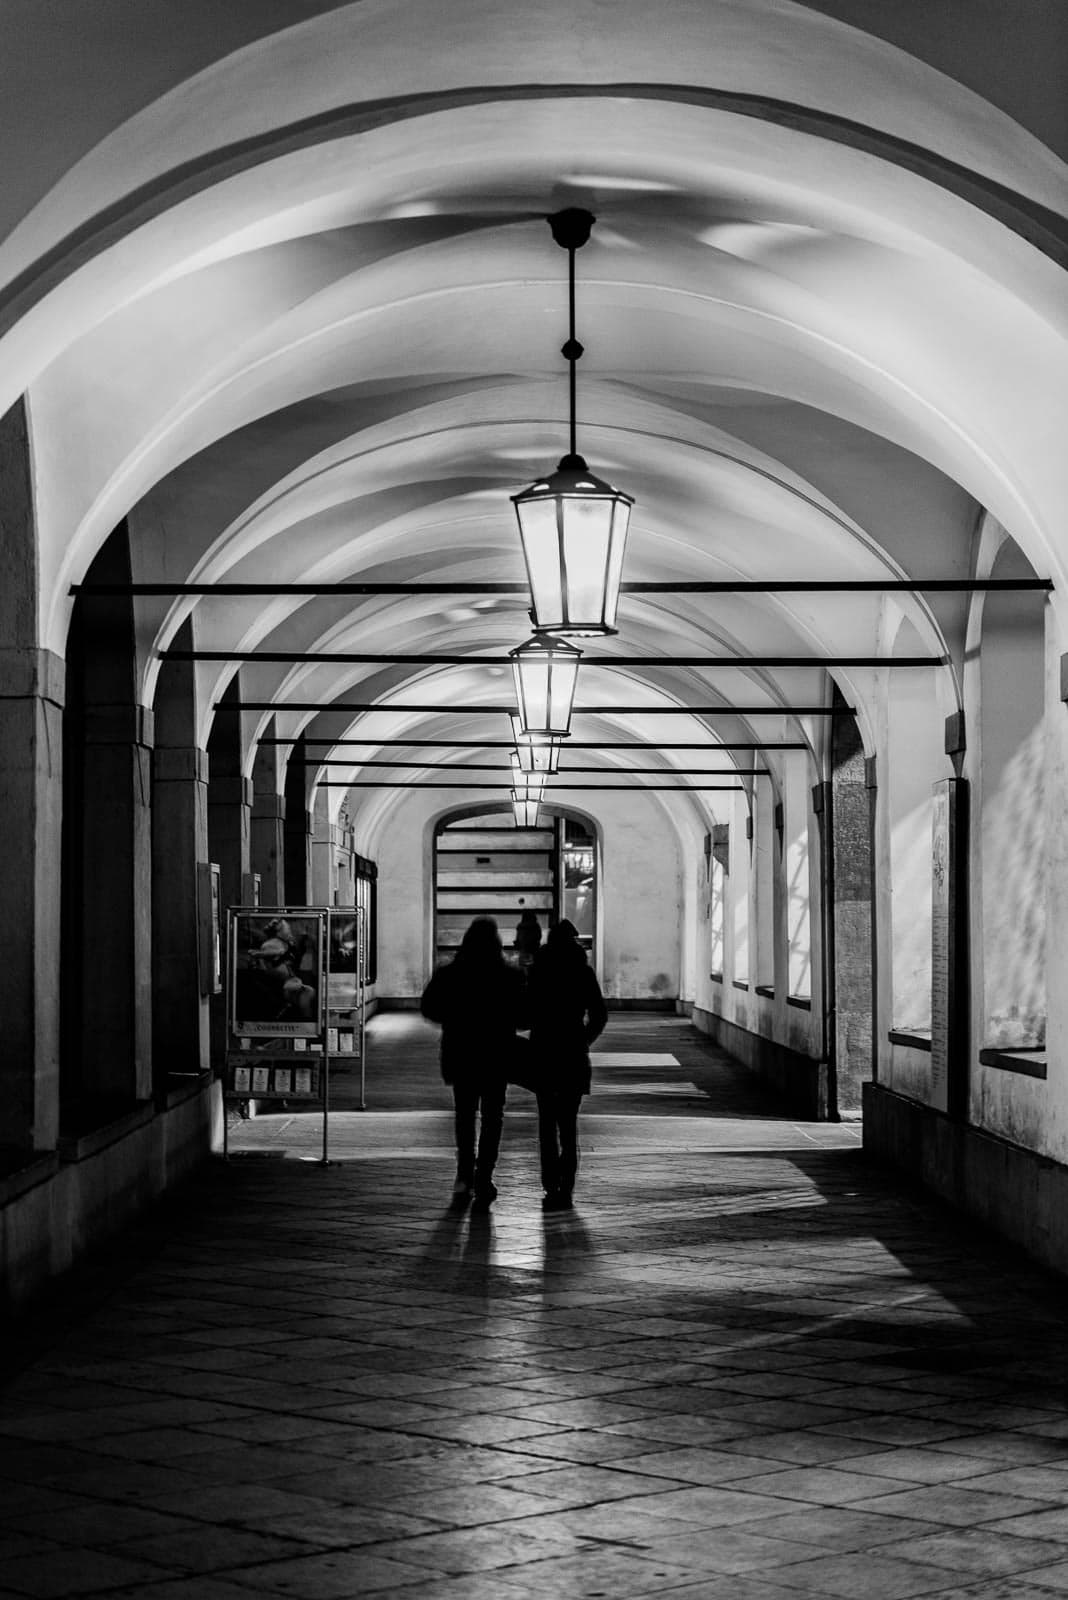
<point>766,991</point>
<point>799,1002</point>
<point>1028,1061</point>
<point>717,977</point>
<point>915,1041</point>
<point>736,983</point>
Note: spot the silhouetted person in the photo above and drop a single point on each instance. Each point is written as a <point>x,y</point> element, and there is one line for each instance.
<point>527,938</point>
<point>479,1000</point>
<point>567,1013</point>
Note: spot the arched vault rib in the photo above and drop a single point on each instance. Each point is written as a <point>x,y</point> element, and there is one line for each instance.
<point>800,361</point>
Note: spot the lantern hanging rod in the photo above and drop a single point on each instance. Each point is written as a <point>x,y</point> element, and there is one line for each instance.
<point>546,796</point>
<point>356,658</point>
<point>727,586</point>
<point>572,744</point>
<point>571,230</point>
<point>344,706</point>
<point>486,766</point>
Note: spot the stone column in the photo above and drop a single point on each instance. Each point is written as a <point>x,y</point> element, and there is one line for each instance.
<point>230,810</point>
<point>180,976</point>
<point>116,909</point>
<point>267,846</point>
<point>31,808</point>
<point>851,906</point>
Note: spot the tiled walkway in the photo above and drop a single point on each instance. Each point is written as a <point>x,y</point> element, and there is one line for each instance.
<point>747,1367</point>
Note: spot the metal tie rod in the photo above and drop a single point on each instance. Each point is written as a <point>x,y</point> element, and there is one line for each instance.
<point>345,706</point>
<point>484,766</point>
<point>360,659</point>
<point>572,744</point>
<point>667,586</point>
<point>503,788</point>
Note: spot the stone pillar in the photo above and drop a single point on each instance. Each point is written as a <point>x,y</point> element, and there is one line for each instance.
<point>229,836</point>
<point>31,808</point>
<point>267,846</point>
<point>850,883</point>
<point>267,826</point>
<point>230,810</point>
<point>324,852</point>
<point>116,909</point>
<point>299,831</point>
<point>179,859</point>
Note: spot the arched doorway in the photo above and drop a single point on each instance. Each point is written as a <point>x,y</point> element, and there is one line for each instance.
<point>483,865</point>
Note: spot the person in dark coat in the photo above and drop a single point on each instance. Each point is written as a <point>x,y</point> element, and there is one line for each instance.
<point>479,1000</point>
<point>568,1013</point>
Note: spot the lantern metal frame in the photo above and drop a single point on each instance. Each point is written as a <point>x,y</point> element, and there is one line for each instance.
<point>572,506</point>
<point>536,753</point>
<point>545,706</point>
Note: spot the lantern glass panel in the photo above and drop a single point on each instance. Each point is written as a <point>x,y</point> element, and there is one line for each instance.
<point>620,527</point>
<point>541,551</point>
<point>586,546</point>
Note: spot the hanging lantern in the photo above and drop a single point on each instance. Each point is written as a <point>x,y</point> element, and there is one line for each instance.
<point>536,754</point>
<point>524,811</point>
<point>573,528</point>
<point>572,524</point>
<point>546,672</point>
<point>527,790</point>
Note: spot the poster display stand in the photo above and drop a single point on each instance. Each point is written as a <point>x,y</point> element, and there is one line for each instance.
<point>278,988</point>
<point>346,996</point>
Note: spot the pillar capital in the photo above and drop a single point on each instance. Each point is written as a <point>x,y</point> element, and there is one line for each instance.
<point>229,790</point>
<point>269,807</point>
<point>180,764</point>
<point>119,724</point>
<point>27,674</point>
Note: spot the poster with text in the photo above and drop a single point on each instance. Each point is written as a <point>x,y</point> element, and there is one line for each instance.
<point>276,981</point>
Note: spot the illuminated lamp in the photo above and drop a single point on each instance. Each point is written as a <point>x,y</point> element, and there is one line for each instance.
<point>572,524</point>
<point>536,754</point>
<point>546,673</point>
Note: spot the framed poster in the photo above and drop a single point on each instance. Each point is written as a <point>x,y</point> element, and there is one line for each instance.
<point>276,975</point>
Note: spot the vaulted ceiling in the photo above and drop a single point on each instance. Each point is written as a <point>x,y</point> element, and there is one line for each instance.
<point>280,291</point>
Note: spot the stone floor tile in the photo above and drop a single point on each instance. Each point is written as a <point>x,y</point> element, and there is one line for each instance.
<point>583,1485</point>
<point>875,1575</point>
<point>1044,1481</point>
<point>70,1571</point>
<point>102,1528</point>
<point>480,1549</point>
<point>594,1447</point>
<point>818,1485</point>
<point>1049,1524</point>
<point>627,1574</point>
<point>723,1550</point>
<point>210,1549</point>
<point>926,1466</point>
<point>805,1447</point>
<point>842,1528</point>
<point>981,1550</point>
<point>956,1504</point>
